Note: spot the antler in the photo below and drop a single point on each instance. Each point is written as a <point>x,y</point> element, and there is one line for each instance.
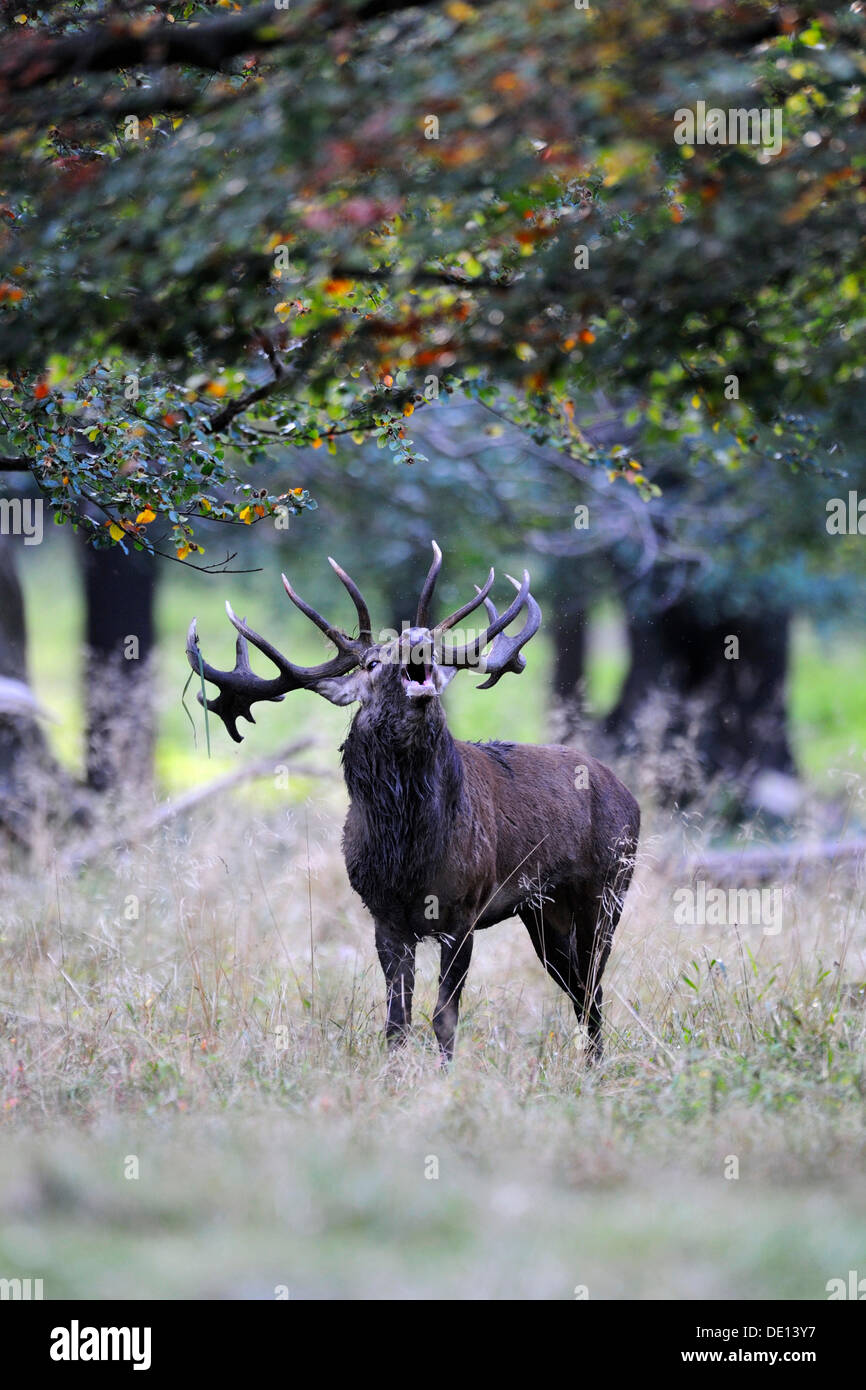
<point>505,652</point>
<point>422,617</point>
<point>241,688</point>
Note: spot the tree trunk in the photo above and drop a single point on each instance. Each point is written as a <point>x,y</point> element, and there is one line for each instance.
<point>32,786</point>
<point>119,593</point>
<point>709,686</point>
<point>567,628</point>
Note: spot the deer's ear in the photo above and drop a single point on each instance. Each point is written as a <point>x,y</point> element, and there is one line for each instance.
<point>442,676</point>
<point>342,690</point>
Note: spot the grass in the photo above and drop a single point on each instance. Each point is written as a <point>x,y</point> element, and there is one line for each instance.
<point>279,1145</point>
<point>205,1008</point>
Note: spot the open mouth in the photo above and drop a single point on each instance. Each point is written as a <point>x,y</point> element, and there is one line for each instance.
<point>417,676</point>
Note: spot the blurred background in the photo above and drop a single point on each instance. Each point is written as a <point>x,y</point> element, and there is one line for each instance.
<point>639,600</point>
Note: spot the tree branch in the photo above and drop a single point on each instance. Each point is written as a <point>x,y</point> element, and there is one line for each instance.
<point>33,61</point>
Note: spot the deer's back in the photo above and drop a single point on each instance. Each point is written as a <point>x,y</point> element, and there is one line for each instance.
<point>549,815</point>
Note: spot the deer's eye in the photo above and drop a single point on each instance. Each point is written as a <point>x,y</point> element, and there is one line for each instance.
<point>371,665</point>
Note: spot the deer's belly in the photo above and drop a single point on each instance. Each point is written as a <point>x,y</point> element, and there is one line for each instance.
<point>417,903</point>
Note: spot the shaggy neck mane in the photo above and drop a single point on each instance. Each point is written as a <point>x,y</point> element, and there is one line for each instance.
<point>406,793</point>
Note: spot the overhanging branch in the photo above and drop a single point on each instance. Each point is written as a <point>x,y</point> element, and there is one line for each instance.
<point>32,60</point>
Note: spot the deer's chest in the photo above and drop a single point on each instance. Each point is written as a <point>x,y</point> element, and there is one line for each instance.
<point>406,870</point>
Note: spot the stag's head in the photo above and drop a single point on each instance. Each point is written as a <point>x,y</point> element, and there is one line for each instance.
<point>398,676</point>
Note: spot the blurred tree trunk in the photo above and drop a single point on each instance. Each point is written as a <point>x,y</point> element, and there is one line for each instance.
<point>567,627</point>
<point>119,593</point>
<point>30,780</point>
<point>729,709</point>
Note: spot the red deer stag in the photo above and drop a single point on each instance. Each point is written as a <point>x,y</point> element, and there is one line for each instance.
<point>443,837</point>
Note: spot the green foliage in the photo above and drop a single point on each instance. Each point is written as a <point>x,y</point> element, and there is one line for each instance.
<point>247,213</point>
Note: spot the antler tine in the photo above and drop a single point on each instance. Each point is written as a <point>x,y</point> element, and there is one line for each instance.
<point>202,667</point>
<point>240,688</point>
<point>459,613</point>
<point>422,617</point>
<point>505,654</point>
<point>365,627</point>
<point>469,654</point>
<point>299,675</point>
<point>339,639</point>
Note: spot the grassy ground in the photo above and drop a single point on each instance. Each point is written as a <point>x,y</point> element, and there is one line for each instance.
<point>195,1100</point>
<point>277,1144</point>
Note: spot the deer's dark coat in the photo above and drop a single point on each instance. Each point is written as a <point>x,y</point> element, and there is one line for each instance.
<point>443,837</point>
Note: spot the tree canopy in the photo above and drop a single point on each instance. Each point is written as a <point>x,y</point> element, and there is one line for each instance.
<point>230,229</point>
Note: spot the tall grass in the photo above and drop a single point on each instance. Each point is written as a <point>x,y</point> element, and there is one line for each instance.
<point>208,1002</point>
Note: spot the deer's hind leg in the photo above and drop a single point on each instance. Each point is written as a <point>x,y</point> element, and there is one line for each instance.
<point>572,934</point>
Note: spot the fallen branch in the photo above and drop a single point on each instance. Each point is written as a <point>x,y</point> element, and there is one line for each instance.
<point>760,861</point>
<point>261,767</point>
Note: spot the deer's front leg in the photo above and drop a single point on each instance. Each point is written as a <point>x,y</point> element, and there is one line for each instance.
<point>456,955</point>
<point>397,958</point>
